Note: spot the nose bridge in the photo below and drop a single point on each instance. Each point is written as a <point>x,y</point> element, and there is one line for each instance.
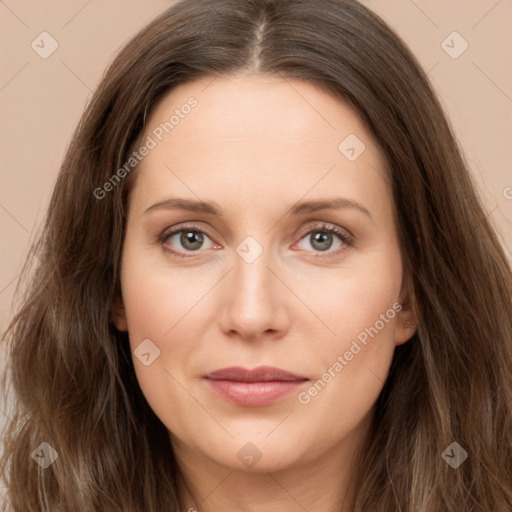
<point>252,303</point>
<point>251,261</point>
<point>252,284</point>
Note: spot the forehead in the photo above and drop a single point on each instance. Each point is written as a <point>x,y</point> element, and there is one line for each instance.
<point>258,133</point>
<point>259,107</point>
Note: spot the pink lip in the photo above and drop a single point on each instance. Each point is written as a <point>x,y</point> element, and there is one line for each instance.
<point>253,388</point>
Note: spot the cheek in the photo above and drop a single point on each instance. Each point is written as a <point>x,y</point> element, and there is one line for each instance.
<point>160,307</point>
<point>355,298</point>
<point>157,297</point>
<point>171,307</point>
<point>165,309</point>
<point>355,354</point>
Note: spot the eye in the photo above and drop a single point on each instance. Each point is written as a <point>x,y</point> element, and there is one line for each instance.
<point>326,239</point>
<point>185,239</point>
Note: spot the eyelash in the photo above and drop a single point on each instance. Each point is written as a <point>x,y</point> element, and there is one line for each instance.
<point>346,239</point>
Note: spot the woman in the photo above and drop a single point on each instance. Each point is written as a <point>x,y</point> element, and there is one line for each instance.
<point>265,282</point>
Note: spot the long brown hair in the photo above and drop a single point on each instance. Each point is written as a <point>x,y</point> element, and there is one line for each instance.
<point>71,370</point>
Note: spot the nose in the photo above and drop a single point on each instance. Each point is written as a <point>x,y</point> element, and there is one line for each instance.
<point>253,302</point>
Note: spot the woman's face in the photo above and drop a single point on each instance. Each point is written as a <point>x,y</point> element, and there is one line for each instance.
<point>261,272</point>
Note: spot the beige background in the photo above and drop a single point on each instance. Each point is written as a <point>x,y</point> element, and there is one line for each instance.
<point>41,100</point>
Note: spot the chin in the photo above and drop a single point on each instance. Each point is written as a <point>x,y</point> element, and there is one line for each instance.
<point>255,454</point>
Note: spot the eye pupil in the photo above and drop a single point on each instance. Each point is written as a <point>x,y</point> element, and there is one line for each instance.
<point>321,240</point>
<point>191,240</point>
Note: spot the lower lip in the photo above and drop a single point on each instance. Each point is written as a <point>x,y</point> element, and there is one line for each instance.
<point>254,394</point>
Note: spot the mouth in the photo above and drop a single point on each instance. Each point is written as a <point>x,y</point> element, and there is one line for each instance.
<point>253,388</point>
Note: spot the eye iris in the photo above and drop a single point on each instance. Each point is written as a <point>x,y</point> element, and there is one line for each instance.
<point>191,240</point>
<point>321,240</point>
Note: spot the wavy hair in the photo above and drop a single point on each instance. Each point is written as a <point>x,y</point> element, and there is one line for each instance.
<point>72,373</point>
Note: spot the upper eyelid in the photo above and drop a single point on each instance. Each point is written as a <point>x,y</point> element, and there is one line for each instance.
<point>171,231</point>
<point>193,227</point>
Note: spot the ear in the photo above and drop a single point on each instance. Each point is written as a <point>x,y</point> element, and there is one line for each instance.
<point>408,317</point>
<point>119,314</point>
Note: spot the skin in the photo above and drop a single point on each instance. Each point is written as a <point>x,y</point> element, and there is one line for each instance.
<point>256,145</point>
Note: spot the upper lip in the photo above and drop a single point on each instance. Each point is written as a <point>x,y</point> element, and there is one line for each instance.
<point>260,374</point>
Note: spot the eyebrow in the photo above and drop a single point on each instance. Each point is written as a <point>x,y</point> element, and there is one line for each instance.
<point>328,204</point>
<point>302,208</point>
